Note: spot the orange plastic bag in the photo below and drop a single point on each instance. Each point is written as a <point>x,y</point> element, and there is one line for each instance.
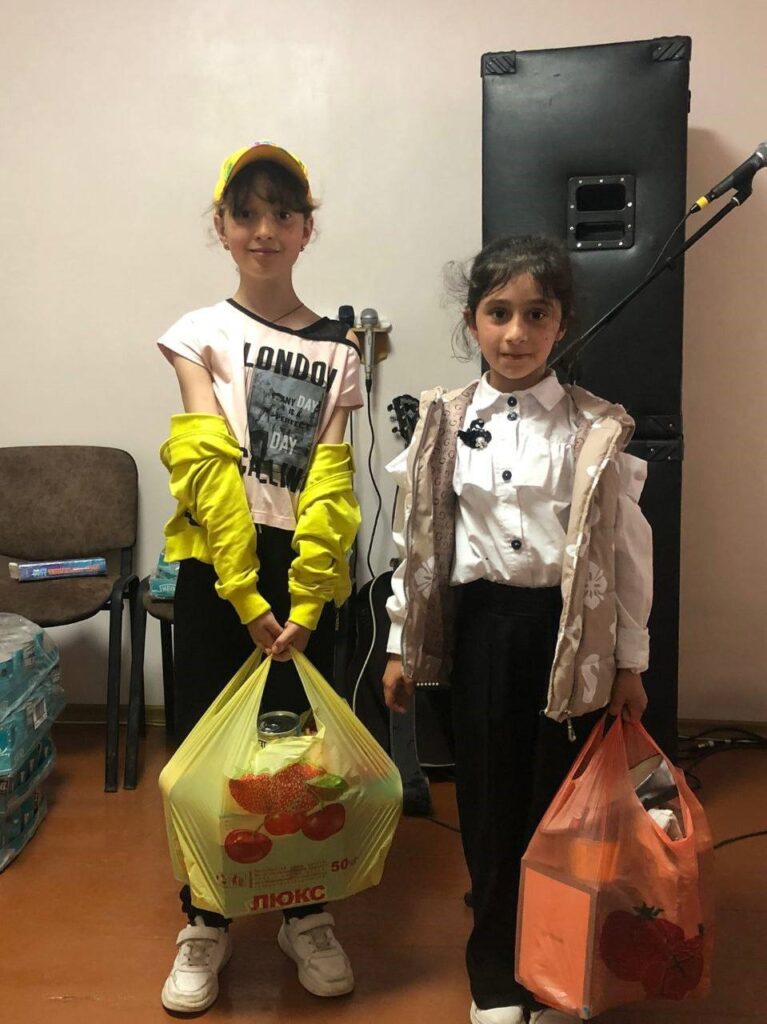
<point>612,909</point>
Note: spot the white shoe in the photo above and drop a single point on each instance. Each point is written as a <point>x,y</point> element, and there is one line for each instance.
<point>192,985</point>
<point>498,1015</point>
<point>323,967</point>
<point>549,1016</point>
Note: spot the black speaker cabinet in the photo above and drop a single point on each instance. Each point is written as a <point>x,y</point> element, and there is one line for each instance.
<point>589,145</point>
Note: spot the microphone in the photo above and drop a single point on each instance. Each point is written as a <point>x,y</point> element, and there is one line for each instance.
<point>346,316</point>
<point>740,178</point>
<point>369,322</point>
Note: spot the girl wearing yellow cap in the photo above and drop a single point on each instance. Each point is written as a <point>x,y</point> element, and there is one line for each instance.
<point>266,513</point>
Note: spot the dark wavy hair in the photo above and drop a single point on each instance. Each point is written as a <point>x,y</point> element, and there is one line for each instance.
<point>545,259</point>
<point>272,182</point>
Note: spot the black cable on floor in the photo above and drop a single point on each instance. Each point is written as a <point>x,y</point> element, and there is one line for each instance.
<point>703,745</point>
<point>746,740</point>
<point>753,741</point>
<point>442,824</point>
<point>737,839</point>
<point>710,751</point>
<point>743,735</point>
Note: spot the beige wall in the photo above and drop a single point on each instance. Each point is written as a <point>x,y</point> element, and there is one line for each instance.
<point>115,117</point>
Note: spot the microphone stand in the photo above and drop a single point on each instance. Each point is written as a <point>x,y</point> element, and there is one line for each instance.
<point>577,345</point>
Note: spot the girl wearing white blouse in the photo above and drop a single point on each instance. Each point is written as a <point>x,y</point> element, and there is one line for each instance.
<point>526,578</point>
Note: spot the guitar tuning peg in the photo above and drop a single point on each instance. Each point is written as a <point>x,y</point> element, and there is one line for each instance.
<point>390,407</point>
<point>395,430</point>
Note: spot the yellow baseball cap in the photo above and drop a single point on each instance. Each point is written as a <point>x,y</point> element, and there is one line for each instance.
<point>260,151</point>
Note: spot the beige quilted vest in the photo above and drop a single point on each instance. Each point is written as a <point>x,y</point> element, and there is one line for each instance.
<point>583,671</point>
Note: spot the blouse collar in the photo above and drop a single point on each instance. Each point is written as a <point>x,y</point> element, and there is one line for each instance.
<point>547,392</point>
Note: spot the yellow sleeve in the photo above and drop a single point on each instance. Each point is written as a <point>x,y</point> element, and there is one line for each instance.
<point>327,520</point>
<point>203,460</point>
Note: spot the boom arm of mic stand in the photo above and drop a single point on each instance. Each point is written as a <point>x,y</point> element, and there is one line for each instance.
<point>577,345</point>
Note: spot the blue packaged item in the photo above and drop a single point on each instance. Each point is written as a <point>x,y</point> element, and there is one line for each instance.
<point>166,570</point>
<point>28,720</point>
<point>27,655</point>
<point>162,581</point>
<point>17,828</point>
<point>36,767</point>
<point>61,568</point>
<point>162,590</point>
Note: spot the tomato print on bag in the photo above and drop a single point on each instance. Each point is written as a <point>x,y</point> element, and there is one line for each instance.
<point>643,946</point>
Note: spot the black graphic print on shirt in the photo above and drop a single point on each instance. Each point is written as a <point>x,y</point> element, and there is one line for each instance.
<point>283,417</point>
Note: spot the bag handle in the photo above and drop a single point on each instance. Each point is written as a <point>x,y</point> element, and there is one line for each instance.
<point>604,750</point>
<point>590,748</point>
<point>596,738</point>
<point>311,678</point>
<point>683,789</point>
<point>243,674</point>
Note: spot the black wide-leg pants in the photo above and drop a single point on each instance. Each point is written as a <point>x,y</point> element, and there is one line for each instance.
<point>210,644</point>
<point>510,761</point>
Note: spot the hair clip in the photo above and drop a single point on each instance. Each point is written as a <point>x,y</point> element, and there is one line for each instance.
<point>475,436</point>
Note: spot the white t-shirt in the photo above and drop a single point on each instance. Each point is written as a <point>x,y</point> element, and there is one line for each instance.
<point>278,389</point>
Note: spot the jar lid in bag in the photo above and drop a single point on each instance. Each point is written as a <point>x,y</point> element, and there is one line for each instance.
<point>276,725</point>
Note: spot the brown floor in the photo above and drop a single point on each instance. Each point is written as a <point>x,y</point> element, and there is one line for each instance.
<point>90,914</point>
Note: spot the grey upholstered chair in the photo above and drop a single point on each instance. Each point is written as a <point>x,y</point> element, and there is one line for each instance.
<point>73,501</point>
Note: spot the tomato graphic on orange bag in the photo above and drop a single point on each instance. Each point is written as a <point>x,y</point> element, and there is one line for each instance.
<point>643,946</point>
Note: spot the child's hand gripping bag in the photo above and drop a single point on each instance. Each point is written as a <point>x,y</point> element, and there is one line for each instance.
<point>613,909</point>
<point>256,826</point>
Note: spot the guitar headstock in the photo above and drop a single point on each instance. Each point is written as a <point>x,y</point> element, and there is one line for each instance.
<point>405,410</point>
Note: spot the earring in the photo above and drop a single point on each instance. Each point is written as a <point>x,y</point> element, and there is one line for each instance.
<point>226,246</point>
<point>302,248</point>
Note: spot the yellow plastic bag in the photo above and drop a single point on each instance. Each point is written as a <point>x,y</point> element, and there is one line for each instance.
<point>302,819</point>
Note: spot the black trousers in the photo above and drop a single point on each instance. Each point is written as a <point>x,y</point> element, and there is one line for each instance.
<point>510,761</point>
<point>210,644</point>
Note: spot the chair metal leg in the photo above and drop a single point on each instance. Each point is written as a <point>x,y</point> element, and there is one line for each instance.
<point>135,594</point>
<point>142,713</point>
<point>166,639</point>
<point>136,691</point>
<point>133,588</point>
<point>113,691</point>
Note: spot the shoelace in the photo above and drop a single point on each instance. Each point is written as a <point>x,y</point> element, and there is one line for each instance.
<point>197,952</point>
<point>322,939</point>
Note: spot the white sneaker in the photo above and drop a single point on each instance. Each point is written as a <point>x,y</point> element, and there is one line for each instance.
<point>323,967</point>
<point>549,1016</point>
<point>192,985</point>
<point>498,1015</point>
